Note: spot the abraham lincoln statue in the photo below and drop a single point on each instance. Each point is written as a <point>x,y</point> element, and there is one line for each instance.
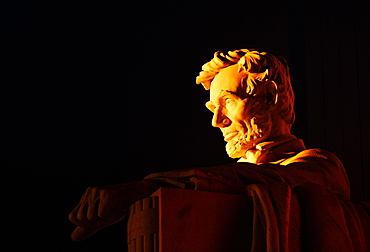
<point>301,196</point>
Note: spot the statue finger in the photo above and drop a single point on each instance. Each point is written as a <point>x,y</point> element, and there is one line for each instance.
<point>93,212</point>
<point>84,220</point>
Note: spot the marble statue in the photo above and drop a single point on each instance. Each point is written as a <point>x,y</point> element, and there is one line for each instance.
<point>252,102</point>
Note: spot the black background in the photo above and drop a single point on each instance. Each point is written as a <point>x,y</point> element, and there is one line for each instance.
<point>98,93</point>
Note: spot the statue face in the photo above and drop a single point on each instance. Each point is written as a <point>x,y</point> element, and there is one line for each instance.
<point>242,118</point>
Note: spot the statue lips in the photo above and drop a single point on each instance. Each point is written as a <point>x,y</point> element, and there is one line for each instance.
<point>230,135</point>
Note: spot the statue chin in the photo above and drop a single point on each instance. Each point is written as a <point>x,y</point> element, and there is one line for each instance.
<point>238,148</point>
<point>257,131</point>
<point>233,151</point>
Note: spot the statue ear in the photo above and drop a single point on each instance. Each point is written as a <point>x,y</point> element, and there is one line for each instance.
<point>272,94</point>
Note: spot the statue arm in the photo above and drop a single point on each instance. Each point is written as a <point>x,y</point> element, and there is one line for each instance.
<point>314,166</point>
<point>231,178</point>
<point>103,206</point>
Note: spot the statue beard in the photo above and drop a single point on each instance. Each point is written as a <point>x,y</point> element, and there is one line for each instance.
<point>257,130</point>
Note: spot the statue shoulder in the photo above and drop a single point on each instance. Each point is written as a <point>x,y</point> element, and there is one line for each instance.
<point>315,156</point>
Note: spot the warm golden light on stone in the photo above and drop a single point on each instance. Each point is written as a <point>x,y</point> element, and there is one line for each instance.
<point>296,193</point>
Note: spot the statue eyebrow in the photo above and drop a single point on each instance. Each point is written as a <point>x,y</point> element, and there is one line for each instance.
<point>225,93</point>
<point>246,95</point>
<point>231,92</point>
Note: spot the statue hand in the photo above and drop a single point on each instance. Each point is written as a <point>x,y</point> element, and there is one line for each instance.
<point>106,205</point>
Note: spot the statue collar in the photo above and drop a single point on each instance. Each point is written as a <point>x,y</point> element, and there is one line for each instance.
<point>274,151</point>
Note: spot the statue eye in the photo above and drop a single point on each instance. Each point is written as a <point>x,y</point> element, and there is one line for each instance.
<point>229,101</point>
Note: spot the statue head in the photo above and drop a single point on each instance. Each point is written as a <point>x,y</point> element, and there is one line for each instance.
<point>251,97</point>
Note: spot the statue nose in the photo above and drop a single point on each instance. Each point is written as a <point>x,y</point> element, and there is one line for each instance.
<point>219,119</point>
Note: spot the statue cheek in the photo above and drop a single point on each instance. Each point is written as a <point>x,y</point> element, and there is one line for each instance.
<point>245,110</point>
<point>259,108</point>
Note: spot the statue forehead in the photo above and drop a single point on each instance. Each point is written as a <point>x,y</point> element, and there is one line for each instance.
<point>228,79</point>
